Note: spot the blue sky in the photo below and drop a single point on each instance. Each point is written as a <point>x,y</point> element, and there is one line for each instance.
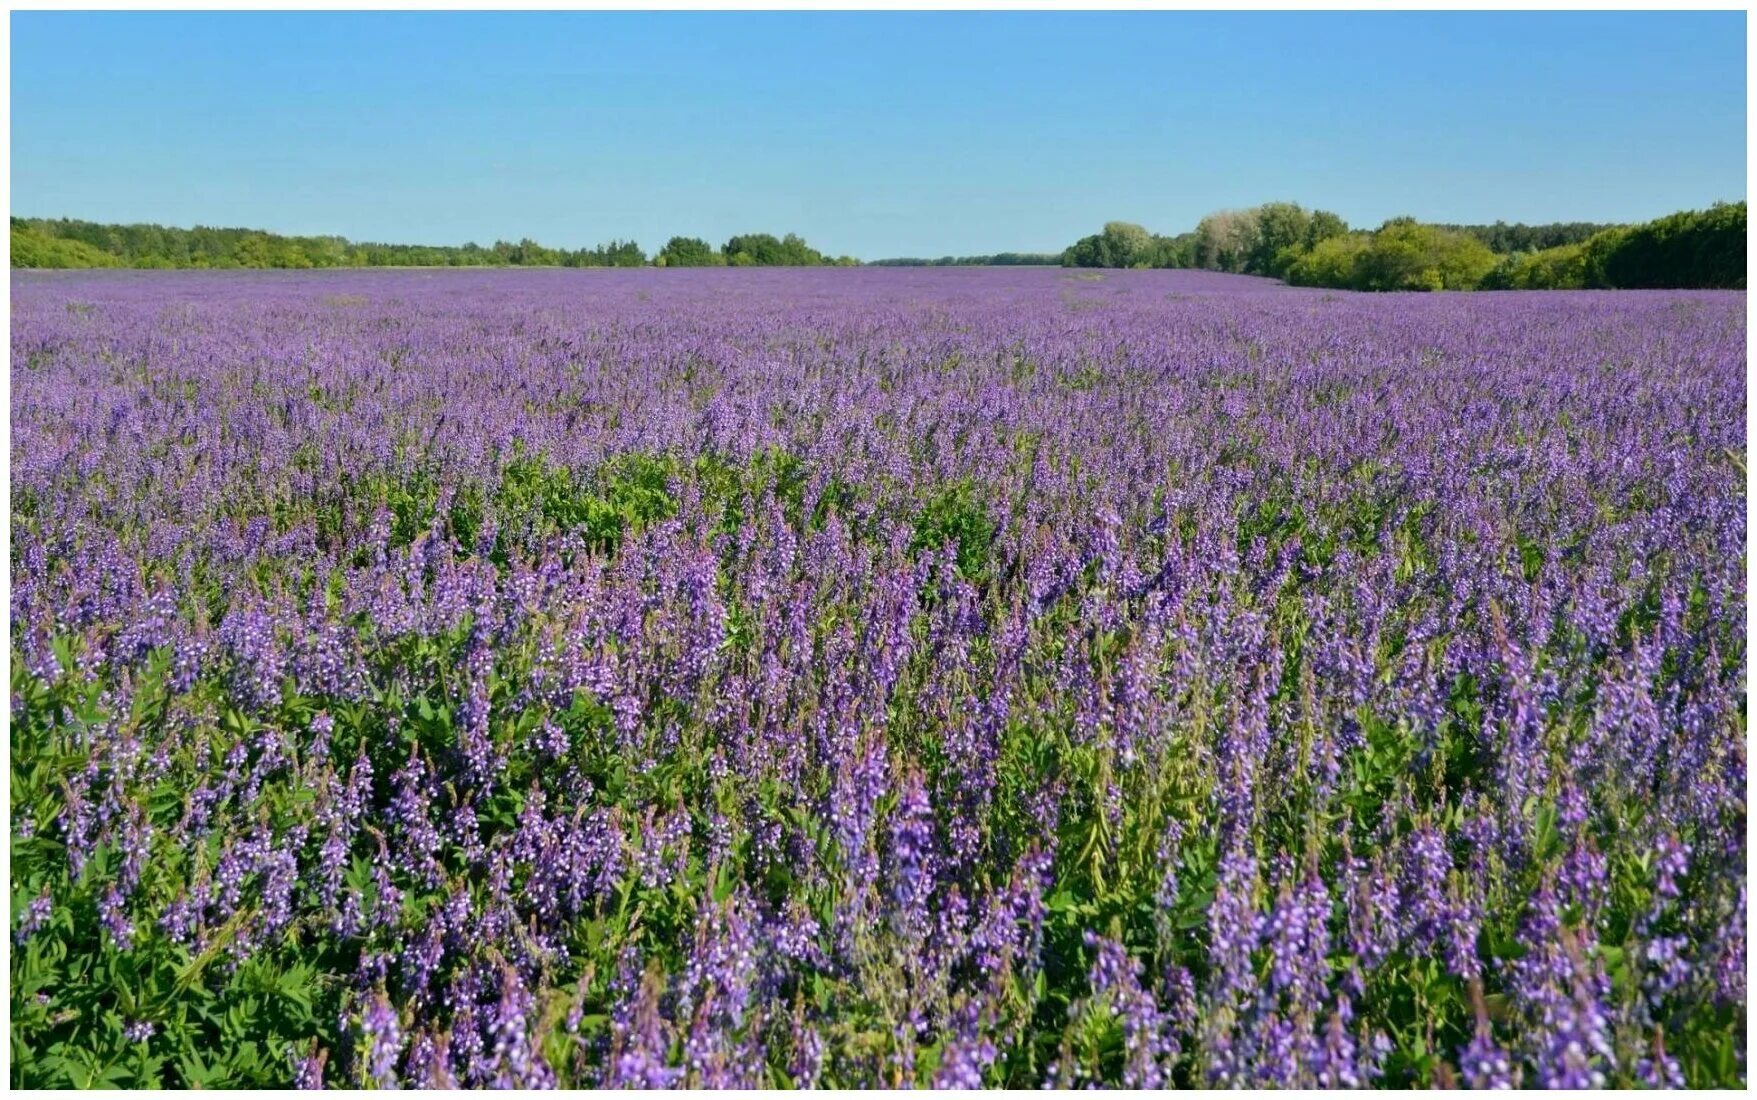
<point>876,134</point>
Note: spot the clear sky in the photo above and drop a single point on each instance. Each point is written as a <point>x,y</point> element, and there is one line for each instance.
<point>876,134</point>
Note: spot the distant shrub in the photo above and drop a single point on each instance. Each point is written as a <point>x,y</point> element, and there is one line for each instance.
<point>31,248</point>
<point>1407,255</point>
<point>1692,249</point>
<point>1330,263</point>
<point>689,252</point>
<point>1561,268</point>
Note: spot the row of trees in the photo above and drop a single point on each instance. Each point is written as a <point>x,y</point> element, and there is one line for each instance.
<point>1403,254</point>
<point>1693,248</point>
<point>1317,248</point>
<point>33,249</point>
<point>1518,237</point>
<point>998,259</point>
<point>747,250</point>
<point>1263,240</point>
<point>64,242</point>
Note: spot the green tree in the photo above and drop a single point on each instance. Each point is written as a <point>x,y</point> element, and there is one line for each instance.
<point>1121,244</point>
<point>1278,226</point>
<point>1408,255</point>
<point>1703,248</point>
<point>689,252</point>
<point>1129,242</point>
<point>624,254</point>
<point>766,250</point>
<point>753,249</point>
<point>1224,239</point>
<point>1175,251</point>
<point>1323,226</point>
<point>1331,262</point>
<point>252,251</point>
<point>1518,237</point>
<point>1559,268</point>
<point>33,248</point>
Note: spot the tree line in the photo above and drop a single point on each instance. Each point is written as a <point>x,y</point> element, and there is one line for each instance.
<point>1284,240</point>
<point>998,259</point>
<point>747,250</point>
<point>66,242</point>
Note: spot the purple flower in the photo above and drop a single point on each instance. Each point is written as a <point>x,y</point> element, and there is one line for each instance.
<point>113,915</point>
<point>36,917</point>
<point>967,1052</point>
<point>640,1042</point>
<point>1484,1063</point>
<point>913,857</point>
<point>1148,1045</point>
<point>381,1037</point>
<point>308,1071</point>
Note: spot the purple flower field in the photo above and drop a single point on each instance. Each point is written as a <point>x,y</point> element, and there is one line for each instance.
<point>874,677</point>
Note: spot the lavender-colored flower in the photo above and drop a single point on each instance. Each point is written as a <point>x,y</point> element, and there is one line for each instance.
<point>1148,1045</point>
<point>640,1042</point>
<point>967,1052</point>
<point>381,1037</point>
<point>308,1070</point>
<point>1484,1063</point>
<point>808,1057</point>
<point>36,917</point>
<point>913,857</point>
<point>515,1063</point>
<point>113,916</point>
<point>1659,1070</point>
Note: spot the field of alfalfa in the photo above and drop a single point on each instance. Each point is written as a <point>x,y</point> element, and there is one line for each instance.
<point>871,678</point>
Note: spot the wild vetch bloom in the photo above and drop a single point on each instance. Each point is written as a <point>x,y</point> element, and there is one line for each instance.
<point>1235,929</point>
<point>381,1038</point>
<point>1729,967</point>
<point>913,857</point>
<point>639,1042</point>
<point>1670,862</point>
<point>1576,1049</point>
<point>323,727</point>
<point>308,1073</point>
<point>249,635</point>
<point>419,840</point>
<point>807,1060</point>
<point>515,1064</point>
<point>722,969</point>
<point>1148,1045</point>
<point>860,783</point>
<point>795,935</point>
<point>114,918</point>
<point>36,916</point>
<point>1484,1064</point>
<point>664,846</point>
<point>1659,1070</point>
<point>1668,964</point>
<point>966,1052</point>
<point>428,1064</point>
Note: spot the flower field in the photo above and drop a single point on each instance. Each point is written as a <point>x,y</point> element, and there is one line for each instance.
<point>873,677</point>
